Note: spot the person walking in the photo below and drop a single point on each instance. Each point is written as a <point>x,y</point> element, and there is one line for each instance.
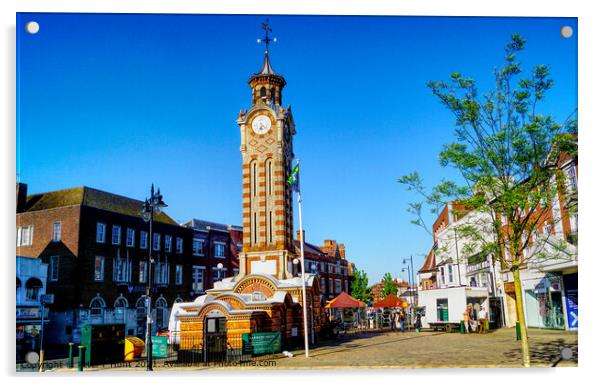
<point>418,323</point>
<point>467,320</point>
<point>393,320</point>
<point>482,320</point>
<point>402,321</point>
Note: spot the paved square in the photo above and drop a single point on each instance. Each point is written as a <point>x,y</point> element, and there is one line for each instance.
<point>435,350</point>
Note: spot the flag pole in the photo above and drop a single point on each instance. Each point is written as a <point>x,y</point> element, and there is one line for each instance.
<point>302,248</point>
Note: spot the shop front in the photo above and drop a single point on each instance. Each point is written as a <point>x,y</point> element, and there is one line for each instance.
<point>544,302</point>
<point>29,325</point>
<point>571,300</point>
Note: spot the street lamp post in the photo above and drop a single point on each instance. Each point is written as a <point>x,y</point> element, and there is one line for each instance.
<point>412,280</point>
<point>152,205</point>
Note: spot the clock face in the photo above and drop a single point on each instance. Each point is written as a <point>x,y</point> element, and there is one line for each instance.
<point>261,124</point>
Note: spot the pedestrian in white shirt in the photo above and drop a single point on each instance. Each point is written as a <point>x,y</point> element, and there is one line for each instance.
<point>482,320</point>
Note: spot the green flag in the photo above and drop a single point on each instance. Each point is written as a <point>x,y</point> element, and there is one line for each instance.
<point>293,179</point>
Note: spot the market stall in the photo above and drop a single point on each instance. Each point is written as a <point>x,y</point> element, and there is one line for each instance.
<point>347,311</point>
<point>384,308</point>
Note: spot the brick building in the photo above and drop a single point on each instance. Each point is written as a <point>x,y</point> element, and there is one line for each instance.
<point>96,246</point>
<point>548,271</point>
<point>215,248</point>
<point>403,289</point>
<point>329,263</point>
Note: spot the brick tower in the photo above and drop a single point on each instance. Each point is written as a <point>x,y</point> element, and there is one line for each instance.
<point>266,145</point>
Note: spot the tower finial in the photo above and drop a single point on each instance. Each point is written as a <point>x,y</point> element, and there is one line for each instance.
<point>267,40</point>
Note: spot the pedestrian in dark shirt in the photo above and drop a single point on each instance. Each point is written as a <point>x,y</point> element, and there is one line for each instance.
<point>418,322</point>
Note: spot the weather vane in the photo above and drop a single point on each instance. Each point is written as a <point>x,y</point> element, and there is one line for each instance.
<point>267,40</point>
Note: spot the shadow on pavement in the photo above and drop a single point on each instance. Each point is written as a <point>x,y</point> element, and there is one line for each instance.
<point>546,352</point>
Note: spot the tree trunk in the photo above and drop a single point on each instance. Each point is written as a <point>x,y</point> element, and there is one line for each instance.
<point>520,315</point>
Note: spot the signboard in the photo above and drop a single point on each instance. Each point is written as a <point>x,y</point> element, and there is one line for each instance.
<point>263,267</point>
<point>263,343</point>
<point>571,296</point>
<point>47,299</point>
<point>28,312</point>
<point>159,346</point>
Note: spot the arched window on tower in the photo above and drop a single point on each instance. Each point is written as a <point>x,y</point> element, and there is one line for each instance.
<point>254,178</point>
<point>262,93</point>
<point>268,167</point>
<point>273,94</point>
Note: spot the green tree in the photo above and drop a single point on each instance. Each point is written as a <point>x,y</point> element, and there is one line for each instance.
<point>389,286</point>
<point>502,150</point>
<point>359,286</point>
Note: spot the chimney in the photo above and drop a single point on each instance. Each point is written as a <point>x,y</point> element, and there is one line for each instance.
<point>342,250</point>
<point>299,236</point>
<point>21,197</point>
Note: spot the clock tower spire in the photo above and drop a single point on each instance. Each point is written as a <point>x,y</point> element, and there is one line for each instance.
<point>266,145</point>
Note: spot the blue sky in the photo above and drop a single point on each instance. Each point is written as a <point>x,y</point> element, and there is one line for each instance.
<point>116,102</point>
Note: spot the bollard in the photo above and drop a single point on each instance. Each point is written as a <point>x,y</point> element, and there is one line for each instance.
<point>70,362</point>
<point>462,330</point>
<point>81,357</point>
<point>518,337</point>
<point>41,368</point>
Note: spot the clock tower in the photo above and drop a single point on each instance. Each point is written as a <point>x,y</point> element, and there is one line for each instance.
<point>266,145</point>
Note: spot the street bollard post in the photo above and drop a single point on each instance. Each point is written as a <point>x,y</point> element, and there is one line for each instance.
<point>70,362</point>
<point>81,357</point>
<point>518,337</point>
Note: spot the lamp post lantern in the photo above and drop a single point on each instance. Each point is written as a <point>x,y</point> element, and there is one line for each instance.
<point>152,206</point>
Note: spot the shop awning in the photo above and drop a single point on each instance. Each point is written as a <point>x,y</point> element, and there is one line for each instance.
<point>390,301</point>
<point>33,283</point>
<point>344,300</point>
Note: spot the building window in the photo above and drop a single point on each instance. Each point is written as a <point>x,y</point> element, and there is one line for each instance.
<point>337,286</point>
<point>120,306</point>
<point>168,243</point>
<point>442,275</point>
<point>161,311</point>
<point>218,274</point>
<point>162,273</point>
<point>198,279</point>
<point>97,306</point>
<point>56,231</point>
<point>156,241</point>
<point>24,236</point>
<point>116,235</point>
<point>179,245</point>
<point>547,229</point>
<point>330,285</point>
<point>142,272</point>
<point>178,274</point>
<point>450,273</point>
<point>573,178</point>
<point>101,232</point>
<point>141,304</point>
<point>143,239</point>
<point>219,249</point>
<point>121,269</point>
<point>33,287</point>
<point>323,284</point>
<point>54,268</point>
<point>130,242</point>
<point>197,246</point>
<point>99,268</point>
